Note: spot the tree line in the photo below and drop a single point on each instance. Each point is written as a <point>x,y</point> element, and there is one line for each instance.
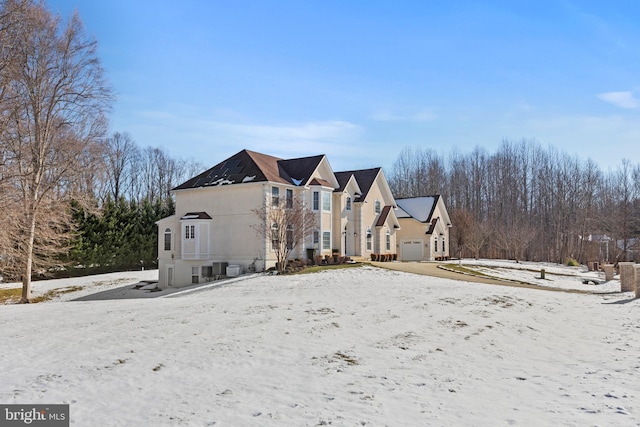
<point>528,202</point>
<point>73,196</point>
<point>61,179</point>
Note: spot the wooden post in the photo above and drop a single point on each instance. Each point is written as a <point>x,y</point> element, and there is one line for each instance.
<point>542,273</point>
<point>636,282</point>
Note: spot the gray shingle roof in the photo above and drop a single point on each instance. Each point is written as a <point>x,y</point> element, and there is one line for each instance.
<point>419,208</point>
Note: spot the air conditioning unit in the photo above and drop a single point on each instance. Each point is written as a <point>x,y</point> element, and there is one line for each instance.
<point>220,268</point>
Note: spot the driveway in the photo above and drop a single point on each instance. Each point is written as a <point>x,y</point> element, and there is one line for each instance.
<point>433,269</point>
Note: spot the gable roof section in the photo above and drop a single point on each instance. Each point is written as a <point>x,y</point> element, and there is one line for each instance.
<point>419,208</point>
<point>321,182</point>
<point>387,214</point>
<point>383,216</point>
<point>432,227</point>
<point>244,166</point>
<point>365,179</point>
<point>269,167</point>
<point>250,166</point>
<point>299,170</point>
<point>195,215</point>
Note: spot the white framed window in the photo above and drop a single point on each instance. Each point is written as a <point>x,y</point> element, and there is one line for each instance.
<point>443,250</point>
<point>326,240</point>
<point>316,237</point>
<point>275,241</point>
<point>275,196</point>
<point>195,276</point>
<point>189,232</point>
<point>348,204</point>
<point>326,201</point>
<point>316,201</point>
<point>435,245</point>
<point>289,198</point>
<point>289,237</point>
<point>376,206</point>
<point>388,240</point>
<point>369,238</point>
<point>167,239</point>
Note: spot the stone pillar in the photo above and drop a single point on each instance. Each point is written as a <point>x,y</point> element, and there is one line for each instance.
<point>590,266</point>
<point>627,276</point>
<point>608,272</point>
<point>637,281</point>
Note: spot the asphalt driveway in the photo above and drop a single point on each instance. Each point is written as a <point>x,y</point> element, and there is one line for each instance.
<point>433,269</point>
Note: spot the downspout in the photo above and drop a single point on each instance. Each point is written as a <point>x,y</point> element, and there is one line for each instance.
<point>320,215</point>
<point>265,239</point>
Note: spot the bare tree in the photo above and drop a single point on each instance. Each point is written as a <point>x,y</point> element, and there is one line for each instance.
<point>120,152</point>
<point>477,238</point>
<point>285,226</point>
<point>55,102</point>
<point>463,223</point>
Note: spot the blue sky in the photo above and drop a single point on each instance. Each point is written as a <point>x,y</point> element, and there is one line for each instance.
<point>360,80</point>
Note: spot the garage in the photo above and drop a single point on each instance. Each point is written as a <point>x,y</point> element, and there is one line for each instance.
<point>411,250</point>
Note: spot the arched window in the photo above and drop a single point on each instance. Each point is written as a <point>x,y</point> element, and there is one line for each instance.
<point>368,239</point>
<point>167,239</point>
<point>376,206</point>
<point>348,206</point>
<point>388,241</point>
<point>435,247</point>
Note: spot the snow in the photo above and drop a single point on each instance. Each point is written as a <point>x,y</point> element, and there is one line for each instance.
<point>556,276</point>
<point>358,346</point>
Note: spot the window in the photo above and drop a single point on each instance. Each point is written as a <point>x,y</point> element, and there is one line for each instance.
<point>275,241</point>
<point>316,200</point>
<point>289,237</point>
<point>195,277</point>
<point>326,240</point>
<point>316,237</point>
<point>348,207</point>
<point>443,245</point>
<point>436,245</point>
<point>167,239</point>
<point>189,231</point>
<point>289,198</point>
<point>207,271</point>
<point>326,201</point>
<point>376,206</point>
<point>388,240</point>
<point>275,196</point>
<point>368,239</point>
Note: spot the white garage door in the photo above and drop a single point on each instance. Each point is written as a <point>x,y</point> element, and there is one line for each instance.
<point>412,250</point>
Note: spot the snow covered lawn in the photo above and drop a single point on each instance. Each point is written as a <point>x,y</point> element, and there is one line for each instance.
<point>359,346</point>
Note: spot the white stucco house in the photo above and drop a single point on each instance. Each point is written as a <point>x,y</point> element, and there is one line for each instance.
<point>424,229</point>
<point>214,221</point>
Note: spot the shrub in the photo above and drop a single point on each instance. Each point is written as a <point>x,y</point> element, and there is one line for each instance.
<point>572,262</point>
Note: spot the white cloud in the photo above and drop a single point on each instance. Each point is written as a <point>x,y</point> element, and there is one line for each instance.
<point>620,99</point>
<point>211,138</point>
<point>387,115</point>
